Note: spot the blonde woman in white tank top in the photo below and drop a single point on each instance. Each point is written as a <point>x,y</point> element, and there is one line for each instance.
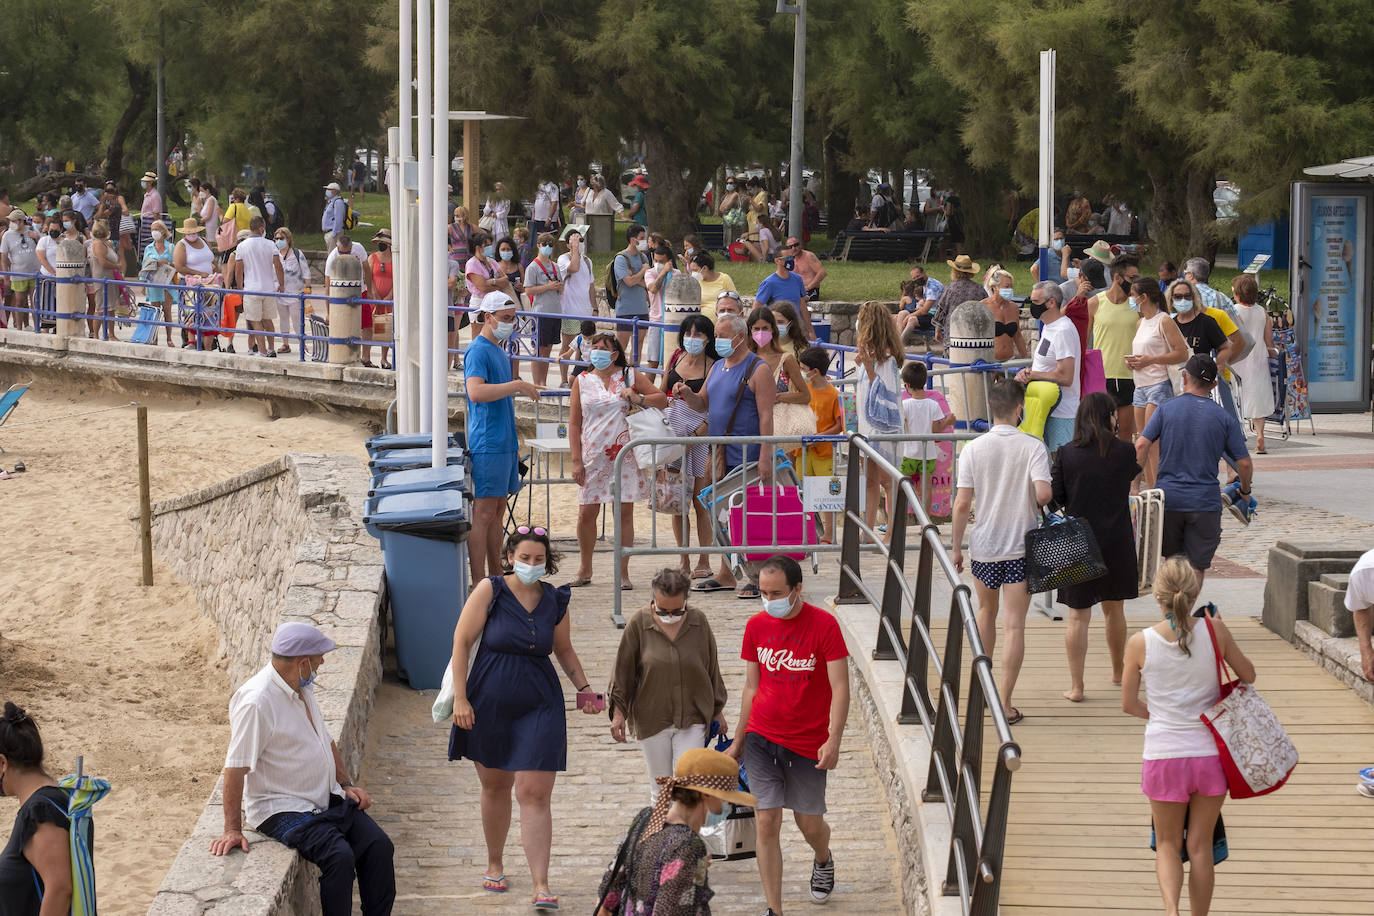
<point>1181,773</point>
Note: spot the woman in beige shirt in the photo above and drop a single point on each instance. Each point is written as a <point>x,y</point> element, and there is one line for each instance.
<point>667,685</point>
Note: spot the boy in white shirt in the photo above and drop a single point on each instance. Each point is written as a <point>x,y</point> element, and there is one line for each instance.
<point>920,416</point>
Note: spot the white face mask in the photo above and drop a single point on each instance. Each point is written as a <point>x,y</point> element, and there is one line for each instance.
<point>642,245</point>
<point>159,234</point>
<point>670,617</point>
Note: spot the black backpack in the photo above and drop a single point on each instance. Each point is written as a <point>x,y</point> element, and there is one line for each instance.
<point>274,216</point>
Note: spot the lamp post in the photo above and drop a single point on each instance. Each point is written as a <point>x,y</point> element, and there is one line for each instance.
<point>794,198</point>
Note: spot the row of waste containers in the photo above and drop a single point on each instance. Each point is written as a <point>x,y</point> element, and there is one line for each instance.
<point>422,516</point>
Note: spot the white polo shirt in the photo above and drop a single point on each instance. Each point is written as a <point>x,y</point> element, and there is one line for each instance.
<point>287,752</point>
<point>1360,594</point>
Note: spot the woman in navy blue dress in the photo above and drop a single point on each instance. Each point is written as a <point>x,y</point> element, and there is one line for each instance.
<point>508,713</point>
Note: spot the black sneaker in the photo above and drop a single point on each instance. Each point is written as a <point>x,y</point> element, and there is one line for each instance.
<point>771,912</point>
<point>822,879</point>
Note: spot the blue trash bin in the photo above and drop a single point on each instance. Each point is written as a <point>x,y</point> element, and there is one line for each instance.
<point>423,545</point>
<point>822,328</point>
<point>389,441</point>
<point>400,459</point>
<point>419,480</point>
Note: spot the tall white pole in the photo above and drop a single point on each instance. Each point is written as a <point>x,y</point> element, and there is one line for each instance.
<point>425,47</point>
<point>1047,271</point>
<point>403,249</point>
<point>400,300</point>
<point>438,241</point>
<point>794,199</point>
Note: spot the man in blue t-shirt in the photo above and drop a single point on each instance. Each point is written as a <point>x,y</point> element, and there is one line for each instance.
<point>631,291</point>
<point>782,284</point>
<point>1193,433</point>
<point>491,438</point>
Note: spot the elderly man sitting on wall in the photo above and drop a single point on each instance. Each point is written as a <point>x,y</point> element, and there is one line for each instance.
<point>285,768</point>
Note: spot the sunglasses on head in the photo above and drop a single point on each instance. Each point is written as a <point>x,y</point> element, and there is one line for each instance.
<point>537,532</point>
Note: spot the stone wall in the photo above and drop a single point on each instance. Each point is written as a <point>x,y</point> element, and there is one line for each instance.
<point>283,541</point>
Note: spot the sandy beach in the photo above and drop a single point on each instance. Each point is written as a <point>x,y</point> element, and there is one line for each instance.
<point>126,676</point>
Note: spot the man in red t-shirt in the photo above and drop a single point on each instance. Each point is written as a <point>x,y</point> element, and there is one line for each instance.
<point>792,715</point>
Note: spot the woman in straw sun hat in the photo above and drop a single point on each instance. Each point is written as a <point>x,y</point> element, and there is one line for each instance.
<point>663,862</point>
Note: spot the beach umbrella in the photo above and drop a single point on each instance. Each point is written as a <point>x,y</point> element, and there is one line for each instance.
<point>85,792</point>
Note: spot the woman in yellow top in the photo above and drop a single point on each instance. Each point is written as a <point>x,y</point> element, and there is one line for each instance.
<point>238,211</point>
<point>713,282</point>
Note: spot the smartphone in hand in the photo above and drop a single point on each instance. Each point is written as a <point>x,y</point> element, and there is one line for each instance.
<point>598,700</point>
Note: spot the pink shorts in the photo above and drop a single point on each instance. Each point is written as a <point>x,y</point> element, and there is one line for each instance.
<point>1176,779</point>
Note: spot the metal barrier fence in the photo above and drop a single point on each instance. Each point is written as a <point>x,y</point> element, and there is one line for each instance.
<point>955,777</point>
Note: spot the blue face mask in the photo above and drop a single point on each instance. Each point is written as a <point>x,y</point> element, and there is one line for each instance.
<point>489,251</point>
<point>503,330</point>
<point>546,250</point>
<point>281,244</point>
<point>527,573</point>
<point>730,186</point>
<point>1183,305</point>
<point>581,183</point>
<point>790,263</point>
<point>307,681</point>
<point>1134,303</point>
<point>724,347</point>
<point>601,359</point>
<point>778,607</point>
<point>1057,244</point>
<point>693,345</point>
<point>507,254</point>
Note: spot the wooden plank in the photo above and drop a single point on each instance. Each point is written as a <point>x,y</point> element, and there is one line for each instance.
<point>1078,831</point>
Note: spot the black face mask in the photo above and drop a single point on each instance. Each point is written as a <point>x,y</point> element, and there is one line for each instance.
<point>1038,309</point>
<point>382,246</point>
<point>54,233</point>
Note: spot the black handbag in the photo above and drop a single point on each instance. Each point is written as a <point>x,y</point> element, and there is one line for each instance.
<point>1061,552</point>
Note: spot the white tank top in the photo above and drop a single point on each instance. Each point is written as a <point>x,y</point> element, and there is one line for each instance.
<point>201,258</point>
<point>1179,688</point>
<point>1149,341</point>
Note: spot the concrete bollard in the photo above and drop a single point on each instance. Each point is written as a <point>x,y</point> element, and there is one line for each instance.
<point>71,297</point>
<point>681,297</point>
<point>345,321</point>
<point>971,338</point>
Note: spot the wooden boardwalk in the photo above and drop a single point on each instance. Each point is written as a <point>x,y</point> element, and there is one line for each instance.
<point>1078,836</point>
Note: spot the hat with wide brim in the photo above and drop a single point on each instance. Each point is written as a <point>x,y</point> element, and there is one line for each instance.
<point>711,766</point>
<point>579,228</point>
<point>1100,251</point>
<point>383,235</point>
<point>149,176</point>
<point>190,224</point>
<point>639,181</point>
<point>965,264</point>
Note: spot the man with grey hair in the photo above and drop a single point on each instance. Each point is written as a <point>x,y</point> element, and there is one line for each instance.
<point>283,766</point>
<point>1057,359</point>
<point>1196,271</point>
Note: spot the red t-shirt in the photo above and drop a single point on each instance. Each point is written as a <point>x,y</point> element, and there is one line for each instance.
<point>792,705</point>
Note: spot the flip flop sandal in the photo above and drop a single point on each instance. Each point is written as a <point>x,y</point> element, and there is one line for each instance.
<point>627,586</point>
<point>749,591</point>
<point>1015,716</point>
<point>710,585</point>
<point>19,467</point>
<point>545,901</point>
<point>701,574</point>
<point>579,582</point>
<point>495,885</point>
<point>1365,789</point>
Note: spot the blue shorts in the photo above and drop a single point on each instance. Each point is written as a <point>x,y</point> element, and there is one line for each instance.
<point>495,474</point>
<point>1058,431</point>
<point>1153,394</point>
<point>998,573</point>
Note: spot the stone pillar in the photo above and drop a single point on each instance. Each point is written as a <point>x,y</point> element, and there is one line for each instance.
<point>1292,566</point>
<point>681,297</point>
<point>71,297</point>
<point>345,281</point>
<point>971,338</point>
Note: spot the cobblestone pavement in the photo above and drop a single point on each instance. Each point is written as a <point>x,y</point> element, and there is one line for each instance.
<point>429,805</point>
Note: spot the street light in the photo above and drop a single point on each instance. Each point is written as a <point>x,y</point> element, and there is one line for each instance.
<point>794,198</point>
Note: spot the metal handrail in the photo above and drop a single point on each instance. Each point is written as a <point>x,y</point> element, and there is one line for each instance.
<point>977,840</point>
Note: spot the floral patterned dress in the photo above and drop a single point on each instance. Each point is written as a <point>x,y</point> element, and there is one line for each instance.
<point>665,874</point>
<point>605,431</point>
